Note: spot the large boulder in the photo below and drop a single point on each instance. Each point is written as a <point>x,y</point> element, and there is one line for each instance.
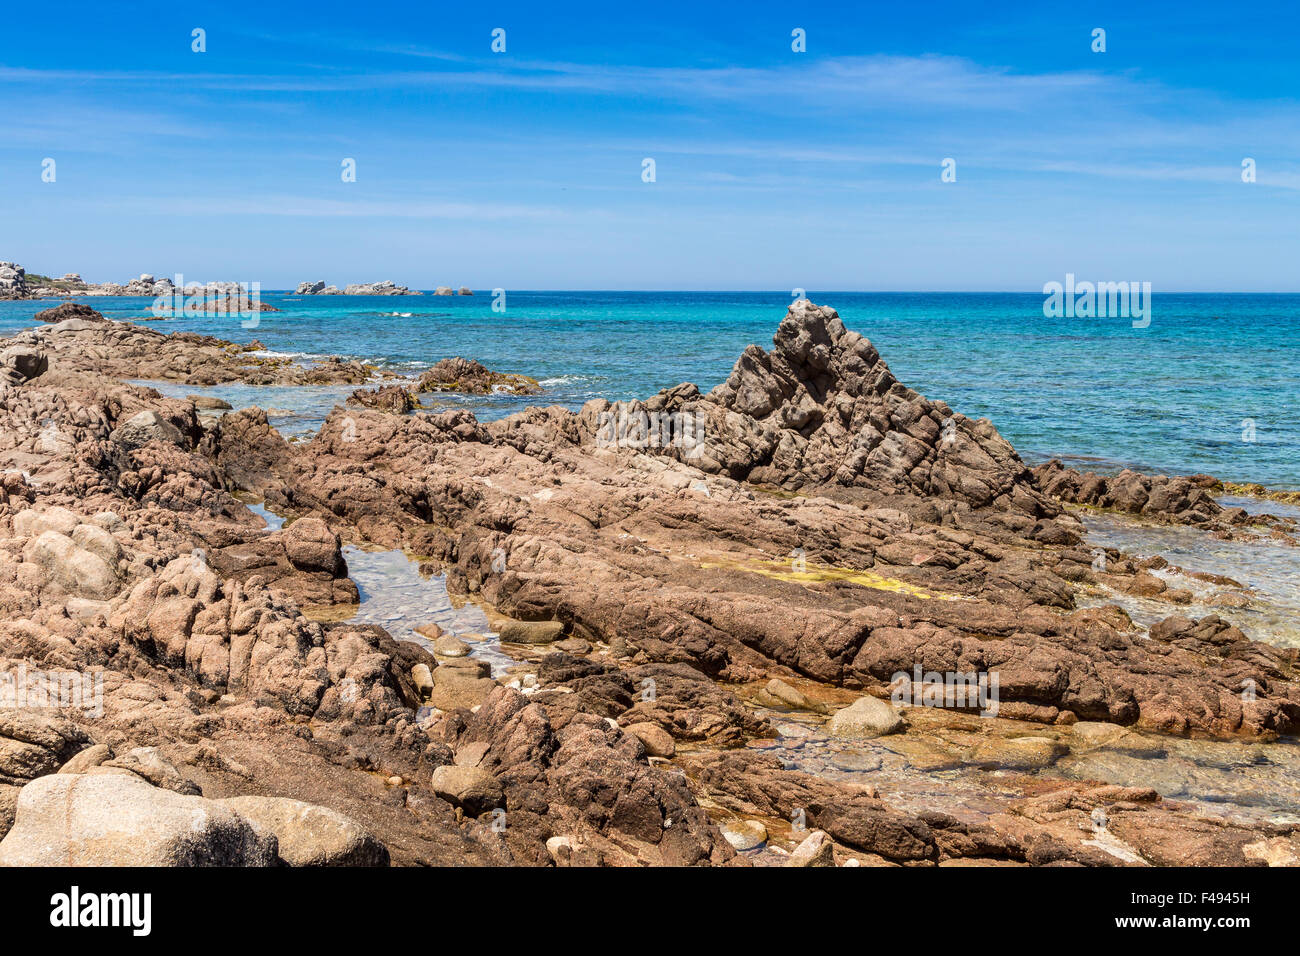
<point>71,569</point>
<point>29,522</point>
<point>118,819</point>
<point>471,788</point>
<point>309,835</point>
<point>144,427</point>
<point>311,546</point>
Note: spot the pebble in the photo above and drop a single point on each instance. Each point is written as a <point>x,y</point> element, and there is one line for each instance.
<point>450,646</point>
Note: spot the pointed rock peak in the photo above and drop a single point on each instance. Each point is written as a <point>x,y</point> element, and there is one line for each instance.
<point>813,357</point>
<point>822,408</point>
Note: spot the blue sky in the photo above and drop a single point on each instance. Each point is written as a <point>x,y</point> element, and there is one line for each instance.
<point>775,169</point>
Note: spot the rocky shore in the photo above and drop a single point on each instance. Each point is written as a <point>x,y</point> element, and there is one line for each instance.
<point>708,600</point>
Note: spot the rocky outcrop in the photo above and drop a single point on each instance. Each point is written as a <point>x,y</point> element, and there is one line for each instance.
<point>69,310</point>
<point>124,350</point>
<point>1185,500</point>
<point>947,558</point>
<point>387,287</point>
<point>822,410</point>
<point>394,399</point>
<point>472,378</point>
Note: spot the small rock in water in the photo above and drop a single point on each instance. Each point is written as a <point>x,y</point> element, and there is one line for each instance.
<point>793,730</point>
<point>530,632</point>
<point>778,693</point>
<point>208,402</point>
<point>865,717</point>
<point>1019,753</point>
<point>431,631</point>
<point>450,646</point>
<point>744,834</point>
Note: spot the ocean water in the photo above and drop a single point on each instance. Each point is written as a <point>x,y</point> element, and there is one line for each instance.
<point>1212,385</point>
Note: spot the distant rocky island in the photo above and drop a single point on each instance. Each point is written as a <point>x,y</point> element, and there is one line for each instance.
<point>17,283</point>
<point>387,287</point>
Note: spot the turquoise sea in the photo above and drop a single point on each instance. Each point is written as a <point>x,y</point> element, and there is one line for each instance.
<point>1212,385</point>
